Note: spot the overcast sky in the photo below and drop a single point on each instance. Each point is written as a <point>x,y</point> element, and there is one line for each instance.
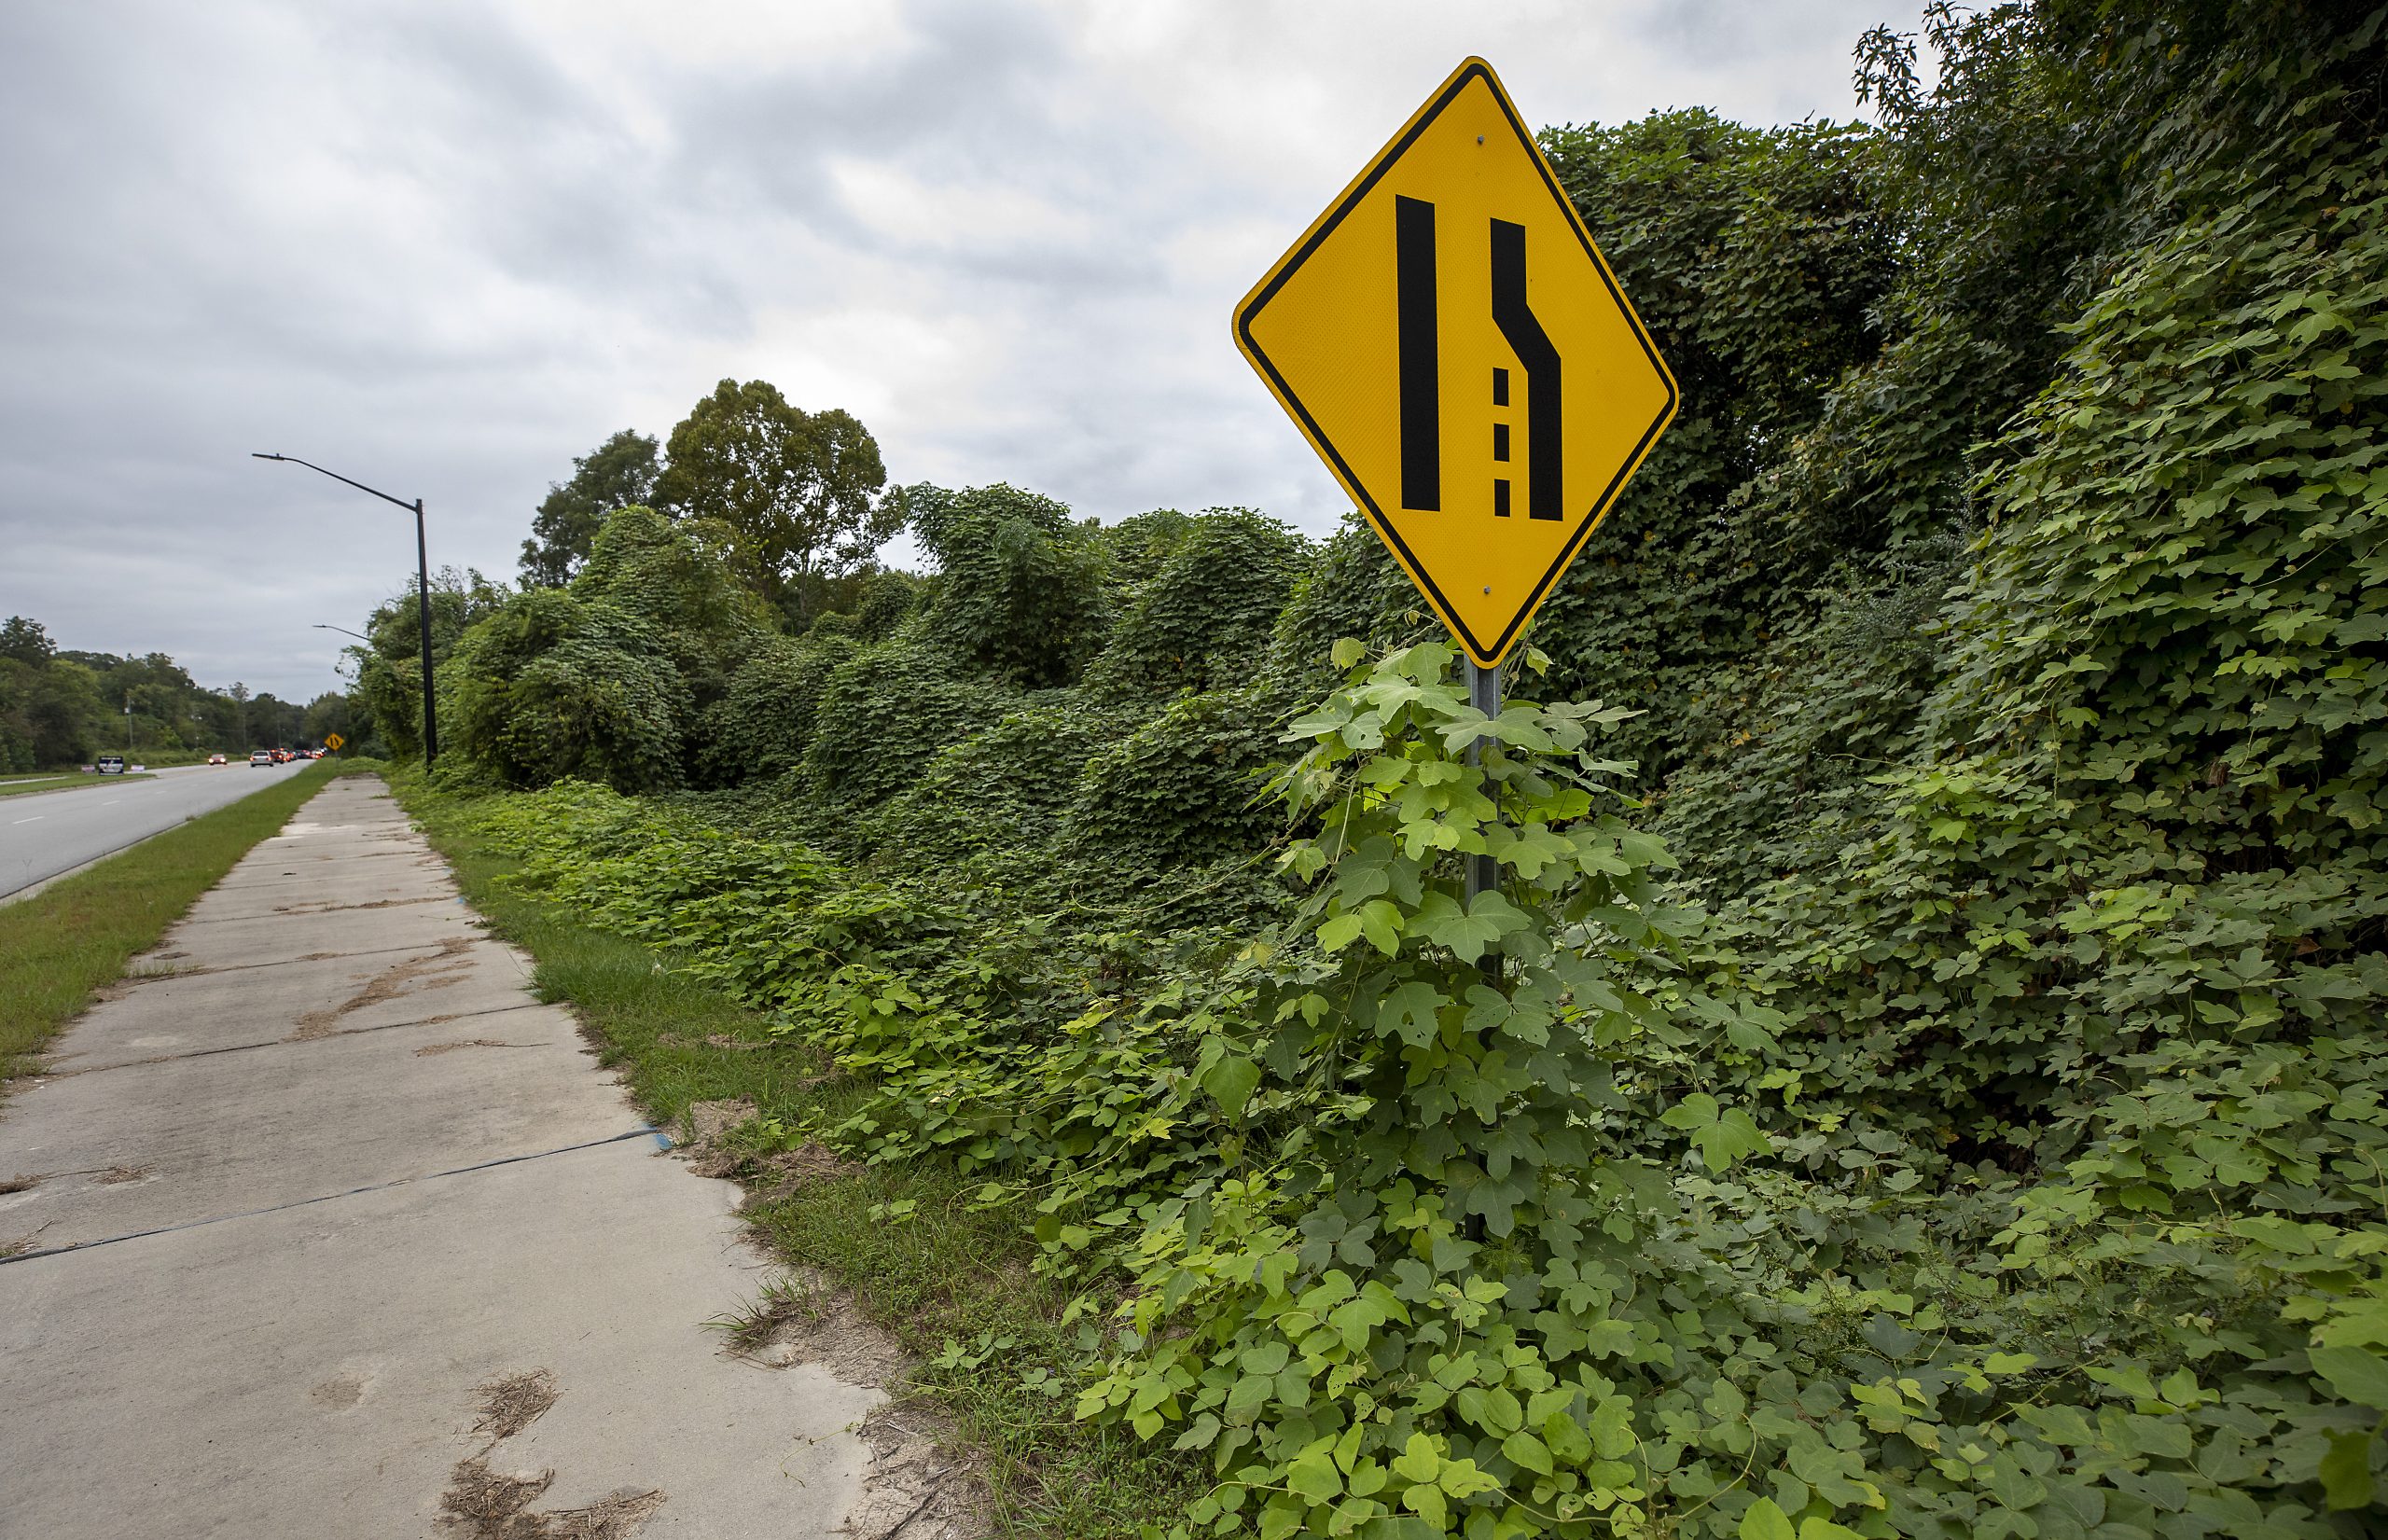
<point>442,248</point>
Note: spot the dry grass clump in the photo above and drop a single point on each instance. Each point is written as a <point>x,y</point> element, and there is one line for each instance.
<point>509,1405</point>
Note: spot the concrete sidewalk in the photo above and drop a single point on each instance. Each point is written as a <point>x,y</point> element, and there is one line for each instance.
<point>316,1175</point>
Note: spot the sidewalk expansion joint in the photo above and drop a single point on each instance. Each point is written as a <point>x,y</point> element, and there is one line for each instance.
<point>284,1042</point>
<point>282,962</point>
<point>643,1131</point>
<point>327,909</point>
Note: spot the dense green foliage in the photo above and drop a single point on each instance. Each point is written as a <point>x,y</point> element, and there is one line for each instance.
<point>62,709</point>
<point>1920,1071</point>
<point>1020,591</point>
<point>783,520</point>
<point>618,473</point>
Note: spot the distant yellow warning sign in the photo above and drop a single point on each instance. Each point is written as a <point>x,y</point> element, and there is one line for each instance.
<point>1457,351</point>
<point>333,740</point>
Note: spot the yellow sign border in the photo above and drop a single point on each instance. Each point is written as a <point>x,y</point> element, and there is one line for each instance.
<point>1249,309</point>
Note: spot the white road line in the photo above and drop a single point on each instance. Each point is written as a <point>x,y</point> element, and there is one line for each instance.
<point>34,818</point>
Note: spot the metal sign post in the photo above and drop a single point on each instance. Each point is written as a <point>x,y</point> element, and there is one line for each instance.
<point>1484,694</point>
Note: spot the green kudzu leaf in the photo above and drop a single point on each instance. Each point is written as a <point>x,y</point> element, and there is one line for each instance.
<point>1695,1111</point>
<point>1347,651</point>
<point>2346,1470</point>
<point>2355,1373</point>
<point>1441,921</point>
<point>1410,1012</point>
<point>1462,1479</point>
<point>1230,1083</point>
<point>1732,1138</point>
<point>1314,1478</point>
<point>1267,1358</point>
<point>1570,1444</point>
<point>1611,1427</point>
<point>1419,1459</point>
<point>1527,1452</point>
<point>1380,922</point>
<point>1249,1394</point>
<point>1765,1519</point>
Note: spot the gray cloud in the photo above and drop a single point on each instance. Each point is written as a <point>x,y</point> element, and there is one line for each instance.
<point>444,248</point>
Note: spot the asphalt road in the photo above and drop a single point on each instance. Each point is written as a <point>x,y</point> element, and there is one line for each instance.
<point>45,833</point>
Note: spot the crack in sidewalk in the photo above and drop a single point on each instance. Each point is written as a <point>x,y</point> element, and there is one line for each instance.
<point>648,1131</point>
<point>284,1042</point>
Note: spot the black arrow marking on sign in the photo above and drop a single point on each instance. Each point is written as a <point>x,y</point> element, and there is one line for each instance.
<point>1546,441</point>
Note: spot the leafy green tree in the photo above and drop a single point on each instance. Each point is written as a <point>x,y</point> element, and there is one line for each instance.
<point>615,474</point>
<point>26,640</point>
<point>798,491</point>
<point>332,712</point>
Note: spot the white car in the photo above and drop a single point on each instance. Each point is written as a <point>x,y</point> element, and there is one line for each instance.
<point>265,756</point>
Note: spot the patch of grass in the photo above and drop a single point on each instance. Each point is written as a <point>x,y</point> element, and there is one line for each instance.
<point>77,935</point>
<point>951,1285</point>
<point>63,783</point>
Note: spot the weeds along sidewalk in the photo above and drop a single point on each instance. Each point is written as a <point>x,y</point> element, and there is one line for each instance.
<point>952,1285</point>
<point>78,933</point>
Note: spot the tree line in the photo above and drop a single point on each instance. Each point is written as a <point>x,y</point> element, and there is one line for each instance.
<point>60,709</point>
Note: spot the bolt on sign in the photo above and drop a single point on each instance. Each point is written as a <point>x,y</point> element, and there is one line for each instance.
<point>1455,348</point>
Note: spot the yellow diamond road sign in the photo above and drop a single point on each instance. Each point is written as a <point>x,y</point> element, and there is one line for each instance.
<point>1457,351</point>
<point>333,740</point>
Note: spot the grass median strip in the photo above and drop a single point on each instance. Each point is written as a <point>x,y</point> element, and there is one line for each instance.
<point>76,936</point>
<point>951,1285</point>
<point>66,783</point>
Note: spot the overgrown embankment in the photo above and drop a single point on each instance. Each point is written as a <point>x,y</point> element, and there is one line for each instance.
<point>1979,1132</point>
<point>951,1283</point>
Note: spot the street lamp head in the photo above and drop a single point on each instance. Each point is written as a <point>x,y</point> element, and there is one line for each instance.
<point>254,455</point>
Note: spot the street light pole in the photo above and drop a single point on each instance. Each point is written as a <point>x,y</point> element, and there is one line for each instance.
<point>422,594</point>
<point>422,619</point>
